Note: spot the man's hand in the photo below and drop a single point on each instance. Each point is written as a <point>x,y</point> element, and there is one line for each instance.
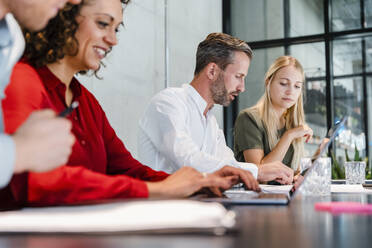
<point>275,171</point>
<point>241,175</point>
<point>42,142</point>
<point>187,181</point>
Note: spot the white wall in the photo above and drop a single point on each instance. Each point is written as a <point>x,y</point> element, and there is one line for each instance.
<point>135,68</point>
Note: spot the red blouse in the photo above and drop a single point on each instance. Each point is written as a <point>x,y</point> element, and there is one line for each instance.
<point>100,167</point>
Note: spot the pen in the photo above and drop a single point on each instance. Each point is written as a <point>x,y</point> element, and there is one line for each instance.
<point>69,109</point>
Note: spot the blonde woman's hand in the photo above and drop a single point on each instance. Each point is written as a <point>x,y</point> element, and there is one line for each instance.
<point>300,132</point>
<point>297,180</point>
<point>275,171</point>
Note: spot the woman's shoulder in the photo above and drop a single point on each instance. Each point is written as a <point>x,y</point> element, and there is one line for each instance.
<point>250,115</point>
<point>26,77</point>
<point>250,112</point>
<point>23,68</point>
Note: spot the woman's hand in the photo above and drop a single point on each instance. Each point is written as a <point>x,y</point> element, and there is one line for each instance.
<point>275,171</point>
<point>299,132</point>
<point>187,181</point>
<point>297,180</point>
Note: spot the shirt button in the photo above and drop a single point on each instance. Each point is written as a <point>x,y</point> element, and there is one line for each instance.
<point>83,142</point>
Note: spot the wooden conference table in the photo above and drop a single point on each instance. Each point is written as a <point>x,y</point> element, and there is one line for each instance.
<point>296,225</point>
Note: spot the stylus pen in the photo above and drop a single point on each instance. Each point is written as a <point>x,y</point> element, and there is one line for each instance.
<point>69,109</point>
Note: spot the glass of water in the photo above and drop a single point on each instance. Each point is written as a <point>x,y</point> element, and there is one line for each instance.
<point>318,180</point>
<point>355,172</point>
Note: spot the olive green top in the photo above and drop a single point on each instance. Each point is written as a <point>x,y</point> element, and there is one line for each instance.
<point>249,134</point>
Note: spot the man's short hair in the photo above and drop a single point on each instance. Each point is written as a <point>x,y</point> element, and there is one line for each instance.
<point>219,48</point>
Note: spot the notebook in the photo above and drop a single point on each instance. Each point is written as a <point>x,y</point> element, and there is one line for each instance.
<point>135,216</point>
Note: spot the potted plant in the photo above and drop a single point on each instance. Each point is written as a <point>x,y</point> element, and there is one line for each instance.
<point>358,158</point>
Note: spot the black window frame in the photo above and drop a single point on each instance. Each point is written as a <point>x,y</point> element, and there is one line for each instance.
<point>230,113</point>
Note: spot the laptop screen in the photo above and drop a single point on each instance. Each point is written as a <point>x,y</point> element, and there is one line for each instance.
<point>331,135</point>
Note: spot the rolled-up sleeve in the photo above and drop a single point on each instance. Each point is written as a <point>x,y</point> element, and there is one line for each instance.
<point>7,159</point>
<point>252,168</point>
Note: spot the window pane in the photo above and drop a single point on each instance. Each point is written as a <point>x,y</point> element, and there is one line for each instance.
<point>312,58</point>
<point>345,15</point>
<point>368,12</point>
<point>257,20</point>
<point>316,112</point>
<point>306,17</point>
<point>254,82</point>
<point>369,114</point>
<point>348,99</point>
<point>347,57</point>
<point>368,41</point>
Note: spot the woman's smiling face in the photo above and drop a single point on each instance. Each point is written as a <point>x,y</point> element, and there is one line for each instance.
<point>98,21</point>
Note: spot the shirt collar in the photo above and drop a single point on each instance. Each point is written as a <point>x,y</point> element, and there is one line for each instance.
<point>51,82</point>
<point>197,98</point>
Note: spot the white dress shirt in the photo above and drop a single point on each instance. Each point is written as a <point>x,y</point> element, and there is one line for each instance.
<point>174,132</point>
<point>11,48</point>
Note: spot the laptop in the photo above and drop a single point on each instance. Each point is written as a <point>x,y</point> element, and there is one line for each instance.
<point>268,198</point>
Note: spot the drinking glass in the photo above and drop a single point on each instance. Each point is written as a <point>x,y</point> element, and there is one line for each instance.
<point>318,180</point>
<point>355,172</point>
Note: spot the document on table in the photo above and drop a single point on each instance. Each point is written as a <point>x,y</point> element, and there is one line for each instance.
<point>129,216</point>
<point>284,189</point>
<point>276,189</point>
<point>348,188</point>
<point>335,188</point>
<point>273,189</point>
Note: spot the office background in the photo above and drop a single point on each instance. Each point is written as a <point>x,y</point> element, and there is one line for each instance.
<point>333,41</point>
<point>136,68</point>
<point>331,38</point>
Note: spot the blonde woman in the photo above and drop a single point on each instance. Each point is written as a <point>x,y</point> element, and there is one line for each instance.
<point>274,129</point>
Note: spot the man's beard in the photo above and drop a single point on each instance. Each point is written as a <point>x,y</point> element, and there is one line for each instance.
<point>219,91</point>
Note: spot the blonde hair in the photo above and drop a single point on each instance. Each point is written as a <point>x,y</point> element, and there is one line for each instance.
<point>263,111</point>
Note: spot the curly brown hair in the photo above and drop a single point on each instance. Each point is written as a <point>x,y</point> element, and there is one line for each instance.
<point>57,39</point>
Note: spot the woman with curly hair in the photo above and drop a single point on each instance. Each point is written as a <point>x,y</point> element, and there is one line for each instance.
<point>100,167</point>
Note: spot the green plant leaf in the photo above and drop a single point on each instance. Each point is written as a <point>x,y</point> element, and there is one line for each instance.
<point>347,156</point>
<point>337,171</point>
<point>356,156</point>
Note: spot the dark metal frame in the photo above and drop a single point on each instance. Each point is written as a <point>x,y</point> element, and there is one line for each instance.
<point>231,112</point>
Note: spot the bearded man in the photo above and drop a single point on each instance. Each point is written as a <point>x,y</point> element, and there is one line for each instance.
<point>178,127</point>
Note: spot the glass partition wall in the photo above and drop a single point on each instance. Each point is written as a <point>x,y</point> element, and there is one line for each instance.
<point>333,41</point>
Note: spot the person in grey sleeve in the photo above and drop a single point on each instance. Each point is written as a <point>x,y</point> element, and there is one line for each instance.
<point>44,141</point>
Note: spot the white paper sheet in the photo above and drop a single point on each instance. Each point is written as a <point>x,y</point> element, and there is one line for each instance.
<point>274,189</point>
<point>284,189</point>
<point>119,217</point>
<point>335,188</point>
<point>347,188</point>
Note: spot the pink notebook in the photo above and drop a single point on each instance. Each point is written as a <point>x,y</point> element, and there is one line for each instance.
<point>344,207</point>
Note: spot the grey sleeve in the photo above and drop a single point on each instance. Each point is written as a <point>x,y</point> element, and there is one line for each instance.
<point>7,159</point>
